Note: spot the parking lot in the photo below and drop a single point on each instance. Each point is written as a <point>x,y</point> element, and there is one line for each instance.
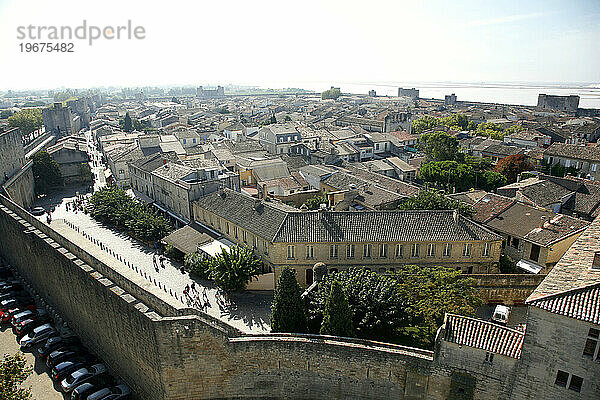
<point>41,385</point>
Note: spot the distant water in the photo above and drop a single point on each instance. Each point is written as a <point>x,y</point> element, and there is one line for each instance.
<point>504,93</point>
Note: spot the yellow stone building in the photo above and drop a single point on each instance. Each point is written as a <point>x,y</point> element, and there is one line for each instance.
<point>379,240</point>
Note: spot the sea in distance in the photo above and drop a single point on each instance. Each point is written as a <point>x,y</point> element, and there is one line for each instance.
<point>522,93</point>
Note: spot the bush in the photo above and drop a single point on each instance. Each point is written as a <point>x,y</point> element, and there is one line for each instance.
<point>174,253</point>
<point>113,206</point>
<point>197,264</point>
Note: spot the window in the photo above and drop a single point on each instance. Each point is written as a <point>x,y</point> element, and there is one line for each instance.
<point>594,166</point>
<point>310,251</point>
<point>562,378</point>
<point>227,227</point>
<point>350,251</point>
<point>245,237</point>
<point>515,242</point>
<point>447,249</point>
<point>431,250</point>
<point>486,250</point>
<point>255,242</point>
<point>333,251</point>
<point>399,251</point>
<point>415,250</point>
<point>383,251</point>
<point>266,246</point>
<point>591,347</point>
<point>489,357</point>
<point>535,252</point>
<point>467,250</point>
<point>236,232</point>
<point>367,251</point>
<point>576,383</point>
<point>290,252</point>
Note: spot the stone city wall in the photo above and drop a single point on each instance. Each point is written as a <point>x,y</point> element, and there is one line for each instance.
<point>165,352</point>
<point>506,288</point>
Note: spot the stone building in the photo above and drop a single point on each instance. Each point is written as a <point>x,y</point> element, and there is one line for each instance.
<point>567,104</point>
<point>412,93</point>
<point>585,159</point>
<point>450,99</point>
<point>217,93</point>
<point>389,121</point>
<point>283,235</point>
<point>279,138</point>
<point>16,175</point>
<point>72,158</point>
<point>172,185</point>
<point>58,119</point>
<point>534,237</point>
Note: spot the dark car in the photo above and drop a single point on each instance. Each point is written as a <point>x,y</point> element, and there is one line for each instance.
<point>82,391</point>
<point>24,327</point>
<point>114,393</point>
<point>17,301</point>
<point>37,314</point>
<point>6,315</point>
<point>37,211</point>
<point>37,335</point>
<point>14,294</point>
<point>56,343</point>
<point>64,354</point>
<point>65,368</point>
<point>10,286</point>
<point>82,375</point>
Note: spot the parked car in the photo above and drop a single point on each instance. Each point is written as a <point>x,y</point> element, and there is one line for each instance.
<point>82,391</point>
<point>37,314</point>
<point>37,211</point>
<point>82,375</point>
<point>114,393</point>
<point>14,302</point>
<point>65,368</point>
<point>24,327</point>
<point>56,343</point>
<point>8,286</point>
<point>14,294</point>
<point>64,354</point>
<point>6,315</point>
<point>38,334</point>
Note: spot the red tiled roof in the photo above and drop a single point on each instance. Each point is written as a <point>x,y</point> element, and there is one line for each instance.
<point>581,303</point>
<point>483,335</point>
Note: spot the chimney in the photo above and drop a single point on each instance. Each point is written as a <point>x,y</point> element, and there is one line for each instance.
<point>596,261</point>
<point>455,215</point>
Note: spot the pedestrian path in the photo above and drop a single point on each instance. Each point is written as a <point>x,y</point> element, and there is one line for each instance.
<point>249,312</point>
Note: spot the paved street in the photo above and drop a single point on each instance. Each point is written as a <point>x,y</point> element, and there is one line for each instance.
<point>248,311</point>
<point>40,382</point>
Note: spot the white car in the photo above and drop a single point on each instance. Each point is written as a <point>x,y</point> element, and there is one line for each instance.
<point>501,314</point>
<point>37,335</point>
<point>80,376</point>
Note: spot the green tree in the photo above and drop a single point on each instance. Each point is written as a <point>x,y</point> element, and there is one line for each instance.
<point>435,200</point>
<point>491,180</point>
<point>337,316</point>
<point>438,146</point>
<point>127,123</point>
<point>113,206</point>
<point>46,172</point>
<point>314,203</point>
<point>27,120</point>
<point>491,130</point>
<point>232,269</point>
<point>424,123</point>
<point>433,291</point>
<point>197,264</point>
<point>512,166</point>
<point>273,119</point>
<point>13,372</point>
<point>376,305</point>
<point>448,174</point>
<point>4,114</point>
<point>288,311</point>
<point>332,93</point>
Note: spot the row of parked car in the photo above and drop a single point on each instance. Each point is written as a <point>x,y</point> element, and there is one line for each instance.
<point>73,369</point>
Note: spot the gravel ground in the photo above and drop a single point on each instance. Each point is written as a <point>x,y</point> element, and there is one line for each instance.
<point>41,385</point>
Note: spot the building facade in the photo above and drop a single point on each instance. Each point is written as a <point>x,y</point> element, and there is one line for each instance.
<point>285,236</point>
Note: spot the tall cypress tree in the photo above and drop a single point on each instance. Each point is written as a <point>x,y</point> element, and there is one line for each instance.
<point>337,317</point>
<point>288,313</point>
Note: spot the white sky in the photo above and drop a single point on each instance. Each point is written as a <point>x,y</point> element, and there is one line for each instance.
<point>285,43</point>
